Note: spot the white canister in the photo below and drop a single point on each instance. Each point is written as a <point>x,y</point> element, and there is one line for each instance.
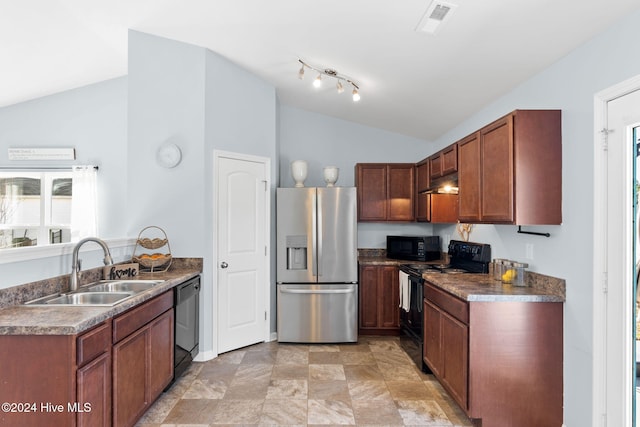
<point>299,172</point>
<point>331,175</point>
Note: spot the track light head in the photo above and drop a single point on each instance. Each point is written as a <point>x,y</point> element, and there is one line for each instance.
<point>318,81</point>
<point>339,87</point>
<point>355,95</point>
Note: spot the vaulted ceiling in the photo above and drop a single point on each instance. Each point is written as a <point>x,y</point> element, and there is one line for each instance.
<point>411,82</point>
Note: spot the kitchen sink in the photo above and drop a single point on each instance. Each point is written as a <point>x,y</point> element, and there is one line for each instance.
<point>101,293</point>
<point>83,299</point>
<point>122,286</point>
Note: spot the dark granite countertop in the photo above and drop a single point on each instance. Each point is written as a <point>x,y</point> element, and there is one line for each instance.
<point>38,320</point>
<point>479,287</point>
<point>378,257</point>
<point>390,261</point>
<point>483,288</point>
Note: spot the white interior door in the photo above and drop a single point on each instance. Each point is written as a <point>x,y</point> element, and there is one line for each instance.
<point>242,253</point>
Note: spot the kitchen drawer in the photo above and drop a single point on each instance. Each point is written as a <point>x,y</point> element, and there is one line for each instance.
<point>133,320</point>
<point>454,306</point>
<point>93,343</point>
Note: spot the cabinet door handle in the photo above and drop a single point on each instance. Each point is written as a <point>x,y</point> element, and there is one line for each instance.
<point>224,265</point>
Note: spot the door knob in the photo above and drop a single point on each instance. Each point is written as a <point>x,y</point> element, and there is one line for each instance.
<point>224,265</point>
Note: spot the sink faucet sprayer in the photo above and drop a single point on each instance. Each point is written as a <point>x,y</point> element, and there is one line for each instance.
<point>75,262</point>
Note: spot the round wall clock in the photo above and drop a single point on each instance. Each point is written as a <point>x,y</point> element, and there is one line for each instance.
<point>168,155</point>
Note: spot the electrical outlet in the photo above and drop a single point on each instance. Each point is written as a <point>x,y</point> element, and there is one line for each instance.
<point>529,250</point>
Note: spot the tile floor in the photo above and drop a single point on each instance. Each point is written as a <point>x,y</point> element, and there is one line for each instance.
<point>372,382</point>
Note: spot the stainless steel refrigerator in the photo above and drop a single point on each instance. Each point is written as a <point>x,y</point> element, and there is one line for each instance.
<point>317,265</point>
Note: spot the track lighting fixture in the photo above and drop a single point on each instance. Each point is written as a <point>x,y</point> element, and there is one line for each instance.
<point>340,79</point>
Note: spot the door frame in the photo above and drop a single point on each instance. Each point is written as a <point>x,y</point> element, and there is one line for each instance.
<point>266,161</point>
<point>610,386</point>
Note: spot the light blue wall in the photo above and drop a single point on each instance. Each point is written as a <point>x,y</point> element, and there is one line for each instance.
<point>93,120</point>
<point>200,101</point>
<point>326,141</point>
<point>570,85</point>
<point>166,103</point>
<point>241,117</point>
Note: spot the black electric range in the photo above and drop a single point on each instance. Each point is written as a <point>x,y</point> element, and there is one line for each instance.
<point>464,257</point>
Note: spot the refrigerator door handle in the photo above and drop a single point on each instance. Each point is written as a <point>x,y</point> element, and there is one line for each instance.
<point>320,233</point>
<point>316,291</point>
<point>314,237</point>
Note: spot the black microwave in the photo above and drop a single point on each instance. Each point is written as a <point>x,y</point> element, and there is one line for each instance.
<point>414,248</point>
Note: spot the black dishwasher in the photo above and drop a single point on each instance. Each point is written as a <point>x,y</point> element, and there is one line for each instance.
<point>187,301</point>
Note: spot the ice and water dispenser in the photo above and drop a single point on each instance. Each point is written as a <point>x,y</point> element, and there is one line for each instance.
<point>296,252</point>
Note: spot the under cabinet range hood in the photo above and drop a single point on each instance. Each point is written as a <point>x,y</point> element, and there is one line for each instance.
<point>447,184</point>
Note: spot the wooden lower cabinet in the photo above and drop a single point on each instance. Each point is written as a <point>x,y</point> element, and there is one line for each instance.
<point>500,361</point>
<point>57,380</point>
<point>455,354</point>
<point>39,373</point>
<point>142,366</point>
<point>379,300</point>
<point>94,389</point>
<point>92,379</point>
<point>161,345</point>
<point>446,351</point>
<point>129,378</point>
<point>94,376</point>
<point>432,337</point>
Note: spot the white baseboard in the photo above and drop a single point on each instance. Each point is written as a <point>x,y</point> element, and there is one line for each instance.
<point>203,356</point>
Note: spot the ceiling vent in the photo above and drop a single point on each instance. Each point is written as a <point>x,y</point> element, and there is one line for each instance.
<point>436,15</point>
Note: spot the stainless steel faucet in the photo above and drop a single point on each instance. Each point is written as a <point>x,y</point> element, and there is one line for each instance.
<point>75,262</point>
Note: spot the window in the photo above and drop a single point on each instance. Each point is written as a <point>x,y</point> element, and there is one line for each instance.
<point>35,208</point>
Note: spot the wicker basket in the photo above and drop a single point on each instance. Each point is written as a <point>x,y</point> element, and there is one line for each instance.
<point>152,262</point>
<point>152,243</point>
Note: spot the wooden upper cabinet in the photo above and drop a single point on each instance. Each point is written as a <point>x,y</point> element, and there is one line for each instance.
<point>510,171</point>
<point>386,191</point>
<point>422,176</point>
<point>401,191</point>
<point>433,207</point>
<point>444,162</point>
<point>496,176</point>
<point>437,208</point>
<point>469,178</point>
<point>371,183</point>
<point>450,160</point>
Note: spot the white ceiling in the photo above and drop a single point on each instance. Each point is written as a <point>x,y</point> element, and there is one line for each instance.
<point>411,83</point>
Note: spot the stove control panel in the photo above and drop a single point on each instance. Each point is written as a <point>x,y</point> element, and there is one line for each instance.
<point>469,251</point>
